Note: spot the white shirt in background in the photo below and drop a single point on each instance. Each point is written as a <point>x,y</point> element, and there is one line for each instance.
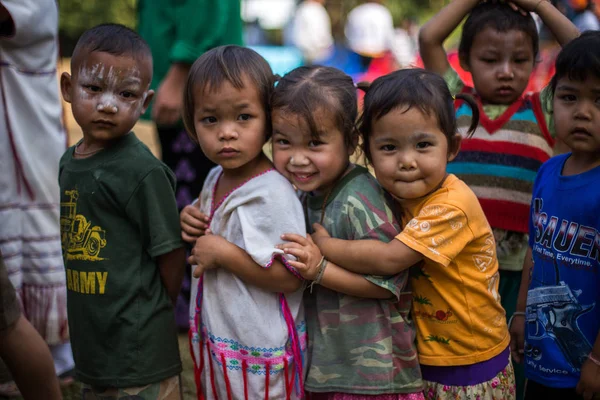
<point>311,31</point>
<point>370,29</point>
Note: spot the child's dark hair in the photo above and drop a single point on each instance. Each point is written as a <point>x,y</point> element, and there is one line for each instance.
<point>114,39</point>
<point>311,88</point>
<point>228,64</point>
<point>408,88</point>
<point>578,59</point>
<point>501,17</point>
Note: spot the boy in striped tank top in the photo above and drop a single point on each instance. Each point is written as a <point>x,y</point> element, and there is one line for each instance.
<point>499,47</point>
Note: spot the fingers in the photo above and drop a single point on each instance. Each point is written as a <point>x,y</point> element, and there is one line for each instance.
<point>198,271</point>
<point>208,232</point>
<point>319,228</point>
<point>299,266</point>
<point>191,260</point>
<point>293,237</point>
<point>188,238</point>
<point>194,217</point>
<point>289,245</point>
<point>299,253</point>
<point>514,350</point>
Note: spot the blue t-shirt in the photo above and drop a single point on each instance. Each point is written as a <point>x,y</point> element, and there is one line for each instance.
<point>563,311</point>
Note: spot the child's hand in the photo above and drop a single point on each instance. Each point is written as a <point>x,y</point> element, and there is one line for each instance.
<point>517,338</point>
<point>319,234</point>
<point>306,251</point>
<point>589,382</point>
<point>193,223</point>
<point>206,253</point>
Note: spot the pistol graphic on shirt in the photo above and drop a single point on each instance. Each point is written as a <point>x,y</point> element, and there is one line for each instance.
<point>554,310</point>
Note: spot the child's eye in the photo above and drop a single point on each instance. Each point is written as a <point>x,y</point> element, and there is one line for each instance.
<point>423,145</point>
<point>315,143</point>
<point>388,147</point>
<point>521,60</point>
<point>282,142</point>
<point>244,117</point>
<point>127,95</point>
<point>93,88</point>
<point>488,60</point>
<point>568,97</point>
<point>208,120</point>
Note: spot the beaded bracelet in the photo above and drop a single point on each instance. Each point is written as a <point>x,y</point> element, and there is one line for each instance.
<point>594,359</point>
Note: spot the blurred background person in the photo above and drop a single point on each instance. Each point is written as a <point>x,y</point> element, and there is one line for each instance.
<point>311,31</point>
<point>32,140</point>
<point>582,14</point>
<point>369,30</point>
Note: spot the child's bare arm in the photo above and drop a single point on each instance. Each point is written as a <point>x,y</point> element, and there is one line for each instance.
<point>433,34</point>
<point>29,360</point>
<point>589,381</point>
<point>213,251</point>
<point>172,267</point>
<point>371,257</point>
<point>334,277</point>
<point>561,27</point>
<point>517,327</point>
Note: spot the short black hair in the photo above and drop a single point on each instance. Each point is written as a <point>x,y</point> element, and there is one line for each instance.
<point>231,64</point>
<point>578,59</point>
<point>114,39</point>
<point>412,88</point>
<point>501,17</point>
<point>308,89</point>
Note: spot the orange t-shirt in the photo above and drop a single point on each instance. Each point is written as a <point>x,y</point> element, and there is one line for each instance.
<point>456,305</point>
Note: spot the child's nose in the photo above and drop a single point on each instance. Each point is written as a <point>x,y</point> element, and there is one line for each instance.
<point>228,132</point>
<point>406,162</point>
<point>107,107</point>
<point>505,71</point>
<point>299,159</point>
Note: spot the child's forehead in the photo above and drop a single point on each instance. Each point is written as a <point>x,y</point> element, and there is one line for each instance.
<point>491,37</point>
<point>102,65</point>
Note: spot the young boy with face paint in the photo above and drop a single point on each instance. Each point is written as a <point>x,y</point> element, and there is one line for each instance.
<point>120,234</point>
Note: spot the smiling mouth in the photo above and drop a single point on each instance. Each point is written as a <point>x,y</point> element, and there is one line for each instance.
<point>302,178</point>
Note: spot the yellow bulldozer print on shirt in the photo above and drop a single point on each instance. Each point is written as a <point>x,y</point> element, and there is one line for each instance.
<point>80,240</point>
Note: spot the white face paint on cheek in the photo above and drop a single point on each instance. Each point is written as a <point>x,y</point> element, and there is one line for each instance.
<point>112,81</point>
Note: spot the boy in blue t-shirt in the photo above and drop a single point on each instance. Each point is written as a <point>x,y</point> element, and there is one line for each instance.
<point>557,325</point>
<point>121,242</point>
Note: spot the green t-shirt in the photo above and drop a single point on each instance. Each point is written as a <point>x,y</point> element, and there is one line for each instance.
<point>357,345</point>
<point>118,213</point>
<point>180,31</point>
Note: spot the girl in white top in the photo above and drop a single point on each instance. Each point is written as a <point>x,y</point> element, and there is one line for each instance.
<point>247,322</point>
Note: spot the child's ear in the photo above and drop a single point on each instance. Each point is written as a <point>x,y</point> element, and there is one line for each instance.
<point>147,100</point>
<point>454,147</point>
<point>66,86</point>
